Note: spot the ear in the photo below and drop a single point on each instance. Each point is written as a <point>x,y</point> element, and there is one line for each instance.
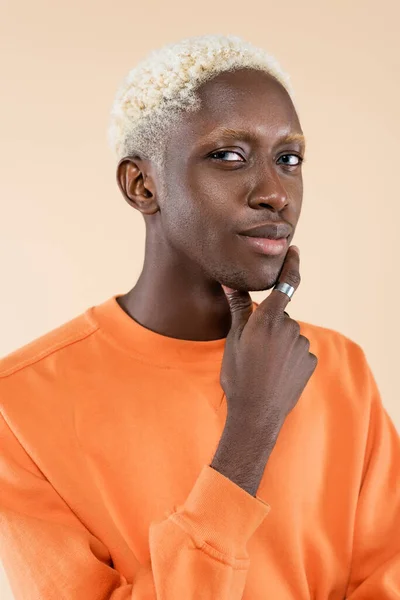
<point>137,185</point>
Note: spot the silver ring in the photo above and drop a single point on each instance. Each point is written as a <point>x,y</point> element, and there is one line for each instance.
<point>285,288</point>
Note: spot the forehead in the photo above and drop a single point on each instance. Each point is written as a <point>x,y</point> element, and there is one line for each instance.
<point>247,100</point>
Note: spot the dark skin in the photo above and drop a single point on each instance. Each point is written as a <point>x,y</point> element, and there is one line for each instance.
<point>194,209</point>
<point>198,270</point>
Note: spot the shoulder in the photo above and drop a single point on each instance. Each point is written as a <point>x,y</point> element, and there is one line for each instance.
<point>47,345</point>
<point>40,386</point>
<point>342,363</point>
<point>329,342</point>
<point>36,379</point>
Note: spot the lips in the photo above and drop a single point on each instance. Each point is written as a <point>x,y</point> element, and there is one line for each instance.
<point>270,239</point>
<point>267,246</point>
<point>270,231</point>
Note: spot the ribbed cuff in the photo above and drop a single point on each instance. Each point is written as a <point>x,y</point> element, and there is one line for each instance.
<point>221,514</point>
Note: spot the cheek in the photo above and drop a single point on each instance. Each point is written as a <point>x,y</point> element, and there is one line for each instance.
<point>200,226</point>
<point>294,191</point>
<point>196,211</point>
<point>184,221</point>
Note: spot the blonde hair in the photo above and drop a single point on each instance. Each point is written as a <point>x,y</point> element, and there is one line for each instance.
<point>163,85</point>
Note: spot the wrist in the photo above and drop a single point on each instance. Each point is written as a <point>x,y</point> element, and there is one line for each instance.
<point>241,456</point>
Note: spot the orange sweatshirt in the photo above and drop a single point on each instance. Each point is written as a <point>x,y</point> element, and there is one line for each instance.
<point>107,431</point>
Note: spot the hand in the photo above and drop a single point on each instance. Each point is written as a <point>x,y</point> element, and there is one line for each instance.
<point>266,363</point>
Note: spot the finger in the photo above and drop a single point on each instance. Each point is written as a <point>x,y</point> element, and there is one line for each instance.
<point>290,273</point>
<point>314,361</point>
<point>241,307</point>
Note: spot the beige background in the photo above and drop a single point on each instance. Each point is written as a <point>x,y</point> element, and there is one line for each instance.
<point>68,240</point>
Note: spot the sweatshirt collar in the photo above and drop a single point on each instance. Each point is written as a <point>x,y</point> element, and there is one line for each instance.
<point>123,331</point>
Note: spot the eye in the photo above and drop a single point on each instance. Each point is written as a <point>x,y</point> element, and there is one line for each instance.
<point>291,160</point>
<point>218,156</point>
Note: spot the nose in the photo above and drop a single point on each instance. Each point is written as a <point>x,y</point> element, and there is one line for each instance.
<point>269,193</point>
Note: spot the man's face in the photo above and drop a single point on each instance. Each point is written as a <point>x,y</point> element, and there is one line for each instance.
<point>219,183</point>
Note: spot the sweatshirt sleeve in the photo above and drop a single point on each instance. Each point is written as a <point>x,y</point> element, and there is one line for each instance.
<point>197,552</point>
<point>375,571</point>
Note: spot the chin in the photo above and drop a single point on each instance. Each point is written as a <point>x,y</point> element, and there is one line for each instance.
<point>250,277</point>
<point>261,286</point>
<point>252,282</point>
<point>259,281</point>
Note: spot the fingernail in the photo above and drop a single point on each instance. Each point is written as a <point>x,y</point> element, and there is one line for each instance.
<point>296,249</point>
<point>227,290</point>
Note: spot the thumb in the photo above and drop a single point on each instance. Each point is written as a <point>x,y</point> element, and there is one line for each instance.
<point>241,306</point>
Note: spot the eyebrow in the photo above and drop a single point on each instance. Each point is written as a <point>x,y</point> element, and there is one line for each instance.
<point>295,137</point>
<point>245,134</point>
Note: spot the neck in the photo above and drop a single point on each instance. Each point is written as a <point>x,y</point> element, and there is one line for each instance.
<point>178,301</point>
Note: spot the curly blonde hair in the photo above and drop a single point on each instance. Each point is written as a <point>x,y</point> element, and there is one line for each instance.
<point>163,85</point>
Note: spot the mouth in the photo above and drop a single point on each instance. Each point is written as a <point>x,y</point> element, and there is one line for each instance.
<point>270,239</point>
<point>266,246</point>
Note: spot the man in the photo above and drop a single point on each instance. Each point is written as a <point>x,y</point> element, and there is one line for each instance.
<point>178,441</point>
